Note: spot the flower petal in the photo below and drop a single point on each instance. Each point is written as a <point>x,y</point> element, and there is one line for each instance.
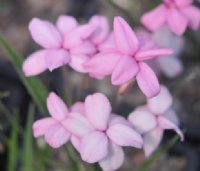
<point>177,21</point>
<point>78,107</point>
<point>45,33</point>
<point>125,37</point>
<point>157,15</point>
<point>102,29</point>
<point>41,126</point>
<point>77,62</point>
<point>56,136</point>
<point>76,142</point>
<point>181,3</point>
<point>94,147</point>
<point>102,63</point>
<point>56,58</point>
<point>86,48</point>
<point>78,36</point>
<point>56,107</point>
<point>139,120</point>
<point>117,119</point>
<point>167,124</point>
<point>125,70</point>
<point>124,135</point>
<point>171,115</point>
<point>152,140</point>
<point>98,110</point>
<point>149,54</point>
<point>77,124</point>
<point>147,81</point>
<point>108,45</point>
<point>193,15</point>
<point>114,159</point>
<point>66,24</point>
<point>161,103</point>
<point>35,63</point>
<point>171,66</point>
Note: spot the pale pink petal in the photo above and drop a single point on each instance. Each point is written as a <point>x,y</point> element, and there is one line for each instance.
<point>171,66</point>
<point>125,70</point>
<point>183,3</point>
<point>56,107</point>
<point>177,21</point>
<point>149,54</point>
<point>35,63</point>
<point>152,140</point>
<point>98,110</point>
<point>164,37</point>
<point>117,119</point>
<point>155,18</point>
<point>161,103</point>
<point>102,29</point>
<point>56,58</point>
<point>77,36</point>
<point>108,45</point>
<point>85,48</point>
<point>193,15</point>
<point>66,24</point>
<point>78,107</point>
<point>77,124</point>
<point>41,126</point>
<point>124,135</point>
<point>77,62</point>
<point>147,81</point>
<point>76,142</point>
<point>85,31</point>
<point>125,37</point>
<point>171,115</point>
<point>94,147</point>
<point>167,124</point>
<point>114,159</point>
<point>56,136</point>
<point>143,121</point>
<point>145,38</point>
<point>45,33</point>
<point>102,63</point>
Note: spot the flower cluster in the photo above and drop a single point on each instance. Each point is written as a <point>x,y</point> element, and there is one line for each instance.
<point>176,14</point>
<point>96,132</point>
<point>89,48</point>
<point>99,135</point>
<point>159,114</point>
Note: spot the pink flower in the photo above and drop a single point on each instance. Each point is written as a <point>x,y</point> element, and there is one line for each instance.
<point>51,127</point>
<point>176,14</point>
<point>126,61</point>
<point>99,135</point>
<point>159,115</point>
<point>65,43</point>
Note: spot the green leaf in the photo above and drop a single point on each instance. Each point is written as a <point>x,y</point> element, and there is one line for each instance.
<point>153,158</point>
<point>28,142</point>
<point>33,85</point>
<point>13,151</point>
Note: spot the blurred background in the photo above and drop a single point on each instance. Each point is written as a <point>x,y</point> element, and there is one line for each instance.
<point>17,147</point>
